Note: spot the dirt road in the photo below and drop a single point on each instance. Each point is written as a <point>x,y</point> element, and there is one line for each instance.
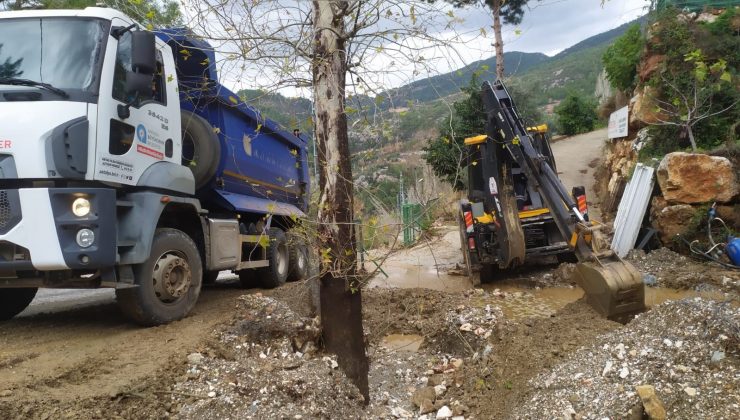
<point>576,158</point>
<point>82,348</point>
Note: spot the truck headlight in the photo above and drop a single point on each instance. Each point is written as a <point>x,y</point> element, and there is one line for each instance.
<point>81,207</point>
<point>85,237</point>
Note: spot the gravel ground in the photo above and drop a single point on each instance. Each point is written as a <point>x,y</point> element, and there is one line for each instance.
<point>687,350</point>
<point>676,271</point>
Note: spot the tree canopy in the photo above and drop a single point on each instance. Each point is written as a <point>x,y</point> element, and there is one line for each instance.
<point>622,57</point>
<point>576,114</point>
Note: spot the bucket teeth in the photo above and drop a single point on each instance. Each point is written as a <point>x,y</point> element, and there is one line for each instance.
<point>613,287</point>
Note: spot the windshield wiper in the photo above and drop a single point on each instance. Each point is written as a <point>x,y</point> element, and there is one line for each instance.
<point>27,82</point>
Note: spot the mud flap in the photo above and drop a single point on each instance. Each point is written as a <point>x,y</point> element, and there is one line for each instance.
<point>613,287</point>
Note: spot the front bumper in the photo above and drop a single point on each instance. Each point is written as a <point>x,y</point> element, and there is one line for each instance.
<point>38,229</point>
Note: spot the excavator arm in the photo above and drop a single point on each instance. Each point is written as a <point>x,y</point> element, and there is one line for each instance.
<point>612,286</point>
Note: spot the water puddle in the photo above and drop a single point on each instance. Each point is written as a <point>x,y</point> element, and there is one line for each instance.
<point>517,302</point>
<point>407,276</point>
<point>409,343</point>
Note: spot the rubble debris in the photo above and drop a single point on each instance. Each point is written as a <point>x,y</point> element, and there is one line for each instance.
<point>669,347</point>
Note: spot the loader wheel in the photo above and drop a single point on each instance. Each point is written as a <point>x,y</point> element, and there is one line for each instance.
<point>14,301</point>
<point>298,257</point>
<point>168,282</point>
<point>464,247</point>
<point>276,273</point>
<point>201,149</point>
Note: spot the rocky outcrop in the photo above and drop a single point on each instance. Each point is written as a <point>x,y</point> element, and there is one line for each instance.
<point>690,178</point>
<point>670,220</point>
<point>649,66</point>
<point>643,109</point>
<point>603,89</point>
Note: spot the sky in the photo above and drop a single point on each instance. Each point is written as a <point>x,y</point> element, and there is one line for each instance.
<point>549,26</point>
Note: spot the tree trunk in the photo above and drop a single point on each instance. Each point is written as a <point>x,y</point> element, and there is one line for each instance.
<point>499,44</point>
<point>341,311</point>
<point>691,138</point>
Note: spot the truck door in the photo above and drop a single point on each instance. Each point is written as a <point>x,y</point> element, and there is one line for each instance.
<point>128,145</point>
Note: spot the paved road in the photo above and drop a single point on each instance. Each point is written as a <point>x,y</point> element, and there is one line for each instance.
<point>573,156</point>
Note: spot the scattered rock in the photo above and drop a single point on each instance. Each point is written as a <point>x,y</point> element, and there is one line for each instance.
<point>440,390</point>
<point>717,356</point>
<point>691,392</point>
<point>195,358</point>
<point>652,404</point>
<point>421,394</point>
<point>444,413</point>
<point>426,406</point>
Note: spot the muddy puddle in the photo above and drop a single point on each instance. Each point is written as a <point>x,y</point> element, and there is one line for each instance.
<point>409,343</point>
<point>517,302</point>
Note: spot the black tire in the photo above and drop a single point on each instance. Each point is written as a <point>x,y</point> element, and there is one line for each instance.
<point>298,259</point>
<point>146,305</point>
<point>247,278</point>
<point>277,253</point>
<point>567,257</point>
<point>489,273</point>
<point>14,301</point>
<point>209,277</point>
<point>201,150</point>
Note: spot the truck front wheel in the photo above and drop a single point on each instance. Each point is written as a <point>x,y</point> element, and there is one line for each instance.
<point>168,282</point>
<point>14,301</point>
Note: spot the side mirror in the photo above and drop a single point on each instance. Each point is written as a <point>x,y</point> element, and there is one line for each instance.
<point>143,52</point>
<point>139,83</point>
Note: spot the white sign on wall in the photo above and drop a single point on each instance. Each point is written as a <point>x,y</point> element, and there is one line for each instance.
<point>618,123</point>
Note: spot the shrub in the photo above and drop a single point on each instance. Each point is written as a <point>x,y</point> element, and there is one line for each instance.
<point>622,57</point>
<point>576,114</point>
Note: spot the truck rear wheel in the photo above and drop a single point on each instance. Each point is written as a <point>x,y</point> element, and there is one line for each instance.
<point>298,257</point>
<point>201,149</point>
<point>168,282</point>
<point>277,253</point>
<point>14,301</point>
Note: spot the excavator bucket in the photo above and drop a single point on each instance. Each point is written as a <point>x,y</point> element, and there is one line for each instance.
<point>613,287</point>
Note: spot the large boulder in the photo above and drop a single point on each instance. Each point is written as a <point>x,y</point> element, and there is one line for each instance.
<point>697,178</point>
<point>670,220</point>
<point>644,109</point>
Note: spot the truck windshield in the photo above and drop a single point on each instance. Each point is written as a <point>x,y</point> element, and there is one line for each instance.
<point>65,53</point>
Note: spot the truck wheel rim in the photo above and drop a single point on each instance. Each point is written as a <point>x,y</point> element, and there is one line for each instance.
<point>282,259</point>
<point>301,260</point>
<point>172,277</point>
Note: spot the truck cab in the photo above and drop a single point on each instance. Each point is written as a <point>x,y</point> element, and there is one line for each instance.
<point>95,187</point>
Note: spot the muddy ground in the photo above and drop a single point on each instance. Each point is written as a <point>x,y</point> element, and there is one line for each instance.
<point>486,352</point>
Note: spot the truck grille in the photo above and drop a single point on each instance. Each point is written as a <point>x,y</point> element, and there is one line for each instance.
<point>10,211</point>
<point>5,215</point>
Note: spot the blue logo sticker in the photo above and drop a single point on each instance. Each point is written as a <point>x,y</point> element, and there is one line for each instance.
<point>141,133</point>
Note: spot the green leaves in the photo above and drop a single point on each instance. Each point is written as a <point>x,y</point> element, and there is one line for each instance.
<point>621,59</point>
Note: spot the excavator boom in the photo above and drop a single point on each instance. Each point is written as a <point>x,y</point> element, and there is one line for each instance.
<point>612,286</point>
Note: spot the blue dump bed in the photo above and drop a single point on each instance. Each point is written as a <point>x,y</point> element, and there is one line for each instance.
<point>263,168</point>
